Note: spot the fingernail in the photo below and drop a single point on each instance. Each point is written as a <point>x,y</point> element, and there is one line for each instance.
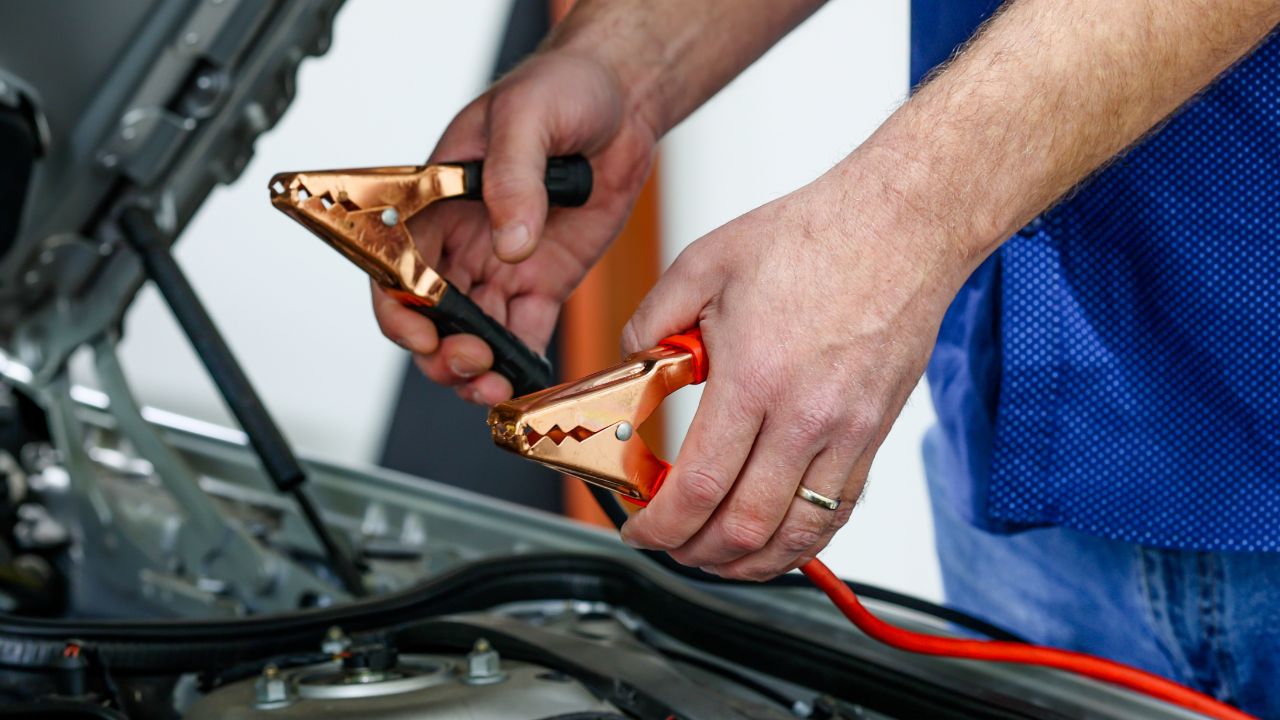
<point>465,366</point>
<point>511,241</point>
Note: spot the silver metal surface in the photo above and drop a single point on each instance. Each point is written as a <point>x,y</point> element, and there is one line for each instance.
<point>821,501</point>
<point>623,431</point>
<point>423,687</point>
<point>150,102</point>
<point>484,665</point>
<point>334,682</point>
<point>147,103</point>
<point>270,689</point>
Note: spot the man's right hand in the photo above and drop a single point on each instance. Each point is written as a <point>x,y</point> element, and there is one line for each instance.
<point>515,259</point>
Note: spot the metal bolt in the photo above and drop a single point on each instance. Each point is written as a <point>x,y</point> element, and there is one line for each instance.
<point>484,666</point>
<point>390,217</point>
<point>624,431</point>
<point>335,642</point>
<point>271,690</point>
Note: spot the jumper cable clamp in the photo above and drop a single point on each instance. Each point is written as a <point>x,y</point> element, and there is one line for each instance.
<point>363,214</point>
<point>588,428</point>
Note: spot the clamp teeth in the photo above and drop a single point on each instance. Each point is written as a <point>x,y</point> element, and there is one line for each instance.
<point>557,435</point>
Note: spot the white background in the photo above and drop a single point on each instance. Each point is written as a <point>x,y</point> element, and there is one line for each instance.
<point>298,315</point>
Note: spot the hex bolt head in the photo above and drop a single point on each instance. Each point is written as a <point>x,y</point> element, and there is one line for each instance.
<point>271,690</point>
<point>390,217</point>
<point>335,642</point>
<point>624,431</point>
<point>484,666</point>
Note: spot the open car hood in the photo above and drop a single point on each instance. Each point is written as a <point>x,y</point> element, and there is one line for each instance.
<point>148,569</point>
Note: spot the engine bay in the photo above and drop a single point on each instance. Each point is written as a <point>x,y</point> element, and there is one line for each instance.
<point>152,566</point>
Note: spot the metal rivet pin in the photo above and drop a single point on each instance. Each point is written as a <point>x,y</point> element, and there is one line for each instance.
<point>390,217</point>
<point>623,431</point>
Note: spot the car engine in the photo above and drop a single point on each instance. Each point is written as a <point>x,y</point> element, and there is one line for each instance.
<point>153,567</point>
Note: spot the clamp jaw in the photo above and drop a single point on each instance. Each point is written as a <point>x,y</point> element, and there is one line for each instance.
<point>588,428</point>
<point>363,214</point>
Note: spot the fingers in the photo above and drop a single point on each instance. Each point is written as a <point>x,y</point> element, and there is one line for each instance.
<point>806,528</point>
<point>464,138</point>
<point>674,305</point>
<point>514,169</point>
<point>403,326</point>
<point>460,359</point>
<point>749,517</point>
<point>714,451</point>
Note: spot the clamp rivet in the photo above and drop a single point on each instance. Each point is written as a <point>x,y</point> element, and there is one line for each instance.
<point>390,217</point>
<point>623,431</point>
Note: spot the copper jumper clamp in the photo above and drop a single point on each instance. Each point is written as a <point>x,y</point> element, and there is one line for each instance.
<point>587,428</point>
<point>363,213</point>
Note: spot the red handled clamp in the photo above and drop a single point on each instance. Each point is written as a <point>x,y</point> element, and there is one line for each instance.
<point>587,428</point>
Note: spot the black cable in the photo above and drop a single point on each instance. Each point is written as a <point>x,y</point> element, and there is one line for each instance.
<point>274,452</point>
<point>607,502</point>
<point>731,674</point>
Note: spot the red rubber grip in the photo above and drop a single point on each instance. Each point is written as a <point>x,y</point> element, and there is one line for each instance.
<point>691,342</point>
<point>657,484</point>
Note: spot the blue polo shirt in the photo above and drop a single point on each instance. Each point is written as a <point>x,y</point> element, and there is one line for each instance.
<point>1115,367</point>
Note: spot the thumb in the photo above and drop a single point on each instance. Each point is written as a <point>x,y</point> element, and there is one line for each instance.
<point>514,193</point>
<point>675,304</point>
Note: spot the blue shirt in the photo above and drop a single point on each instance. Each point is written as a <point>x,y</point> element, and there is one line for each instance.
<point>1115,367</point>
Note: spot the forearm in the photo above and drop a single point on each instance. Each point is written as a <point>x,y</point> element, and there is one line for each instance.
<point>672,55</point>
<point>1047,93</point>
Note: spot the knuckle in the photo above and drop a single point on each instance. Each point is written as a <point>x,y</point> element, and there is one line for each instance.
<point>860,425</point>
<point>506,101</point>
<point>703,487</point>
<point>745,536</point>
<point>801,537</point>
<point>812,424</point>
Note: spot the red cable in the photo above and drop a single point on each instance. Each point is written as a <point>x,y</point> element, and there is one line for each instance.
<point>997,651</point>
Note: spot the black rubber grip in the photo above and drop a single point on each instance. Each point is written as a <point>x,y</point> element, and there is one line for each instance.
<point>568,180</point>
<point>527,370</point>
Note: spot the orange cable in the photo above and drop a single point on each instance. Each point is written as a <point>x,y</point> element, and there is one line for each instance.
<point>998,651</point>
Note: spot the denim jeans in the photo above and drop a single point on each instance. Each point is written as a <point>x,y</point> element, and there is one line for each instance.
<point>1207,620</point>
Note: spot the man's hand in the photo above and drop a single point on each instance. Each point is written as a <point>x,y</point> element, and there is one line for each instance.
<point>818,311</point>
<point>556,104</point>
<point>612,78</point>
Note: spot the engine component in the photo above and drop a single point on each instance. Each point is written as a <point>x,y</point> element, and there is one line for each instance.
<point>372,681</point>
